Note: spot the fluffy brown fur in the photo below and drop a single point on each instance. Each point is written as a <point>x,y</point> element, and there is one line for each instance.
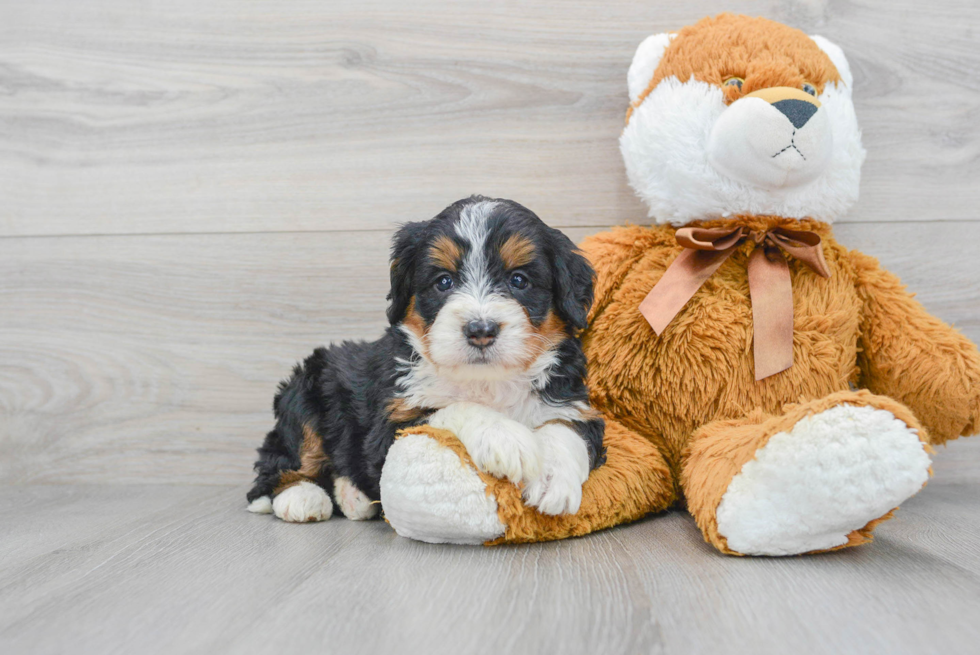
<point>762,53</point>
<point>859,327</point>
<point>684,411</point>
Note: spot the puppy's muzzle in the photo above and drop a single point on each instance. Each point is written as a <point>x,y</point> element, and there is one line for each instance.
<point>481,333</point>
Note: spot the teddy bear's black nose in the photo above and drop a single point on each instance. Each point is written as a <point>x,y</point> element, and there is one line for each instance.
<point>797,111</point>
<point>481,333</point>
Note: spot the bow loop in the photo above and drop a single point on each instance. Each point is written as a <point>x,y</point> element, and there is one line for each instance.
<point>770,285</point>
<point>709,238</point>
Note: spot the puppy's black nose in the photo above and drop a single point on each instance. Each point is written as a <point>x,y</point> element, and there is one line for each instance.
<point>481,332</point>
<point>797,111</point>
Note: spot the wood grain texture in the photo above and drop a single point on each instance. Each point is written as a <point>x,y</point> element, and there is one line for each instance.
<point>106,569</point>
<point>128,116</point>
<point>237,167</point>
<point>154,358</point>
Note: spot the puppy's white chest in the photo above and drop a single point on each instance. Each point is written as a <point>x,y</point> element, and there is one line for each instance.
<point>518,400</point>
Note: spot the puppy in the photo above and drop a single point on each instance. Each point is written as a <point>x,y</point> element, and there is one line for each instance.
<point>486,304</point>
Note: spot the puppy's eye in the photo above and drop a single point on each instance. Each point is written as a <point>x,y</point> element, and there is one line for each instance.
<point>809,88</point>
<point>518,281</point>
<point>444,283</point>
<point>734,81</point>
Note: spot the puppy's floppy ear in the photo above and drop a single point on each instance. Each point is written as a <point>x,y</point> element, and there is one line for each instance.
<point>573,279</point>
<point>405,248</point>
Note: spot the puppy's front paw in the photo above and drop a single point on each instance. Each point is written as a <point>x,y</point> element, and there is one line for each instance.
<point>498,445</point>
<point>564,469</point>
<point>505,449</point>
<point>554,493</point>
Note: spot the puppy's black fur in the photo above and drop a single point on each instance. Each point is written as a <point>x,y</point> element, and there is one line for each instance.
<point>345,394</point>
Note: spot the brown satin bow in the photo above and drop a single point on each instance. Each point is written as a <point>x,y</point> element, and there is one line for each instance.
<point>770,287</point>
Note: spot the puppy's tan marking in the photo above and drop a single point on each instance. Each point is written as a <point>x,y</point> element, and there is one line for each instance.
<point>416,325</point>
<point>547,335</point>
<point>552,329</point>
<point>517,251</point>
<point>312,460</point>
<point>445,253</point>
<point>400,412</point>
<point>413,321</point>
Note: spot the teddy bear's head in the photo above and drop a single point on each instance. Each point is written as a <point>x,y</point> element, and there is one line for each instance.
<point>736,115</point>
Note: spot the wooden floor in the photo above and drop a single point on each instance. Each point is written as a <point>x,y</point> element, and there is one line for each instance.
<point>147,569</point>
<point>195,194</point>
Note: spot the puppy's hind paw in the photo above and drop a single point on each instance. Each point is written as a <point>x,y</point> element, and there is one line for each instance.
<point>305,502</point>
<point>261,505</point>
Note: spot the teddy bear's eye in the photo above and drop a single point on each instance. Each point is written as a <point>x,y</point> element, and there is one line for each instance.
<point>734,81</point>
<point>809,88</point>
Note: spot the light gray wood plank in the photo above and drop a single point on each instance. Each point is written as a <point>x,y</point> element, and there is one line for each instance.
<point>123,116</point>
<point>155,358</point>
<point>160,569</point>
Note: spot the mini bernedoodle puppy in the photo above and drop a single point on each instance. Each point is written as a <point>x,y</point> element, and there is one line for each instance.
<point>486,305</point>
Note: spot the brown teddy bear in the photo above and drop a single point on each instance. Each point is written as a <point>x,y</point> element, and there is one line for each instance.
<point>783,387</point>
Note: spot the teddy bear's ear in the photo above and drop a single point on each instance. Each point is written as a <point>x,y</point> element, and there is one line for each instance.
<point>645,62</point>
<point>836,55</point>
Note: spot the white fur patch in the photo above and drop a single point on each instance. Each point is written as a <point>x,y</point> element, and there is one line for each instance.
<point>645,62</point>
<point>498,445</point>
<point>665,148</point>
<point>352,502</point>
<point>808,488</point>
<point>261,505</point>
<point>303,503</point>
<point>557,489</point>
<point>430,496</point>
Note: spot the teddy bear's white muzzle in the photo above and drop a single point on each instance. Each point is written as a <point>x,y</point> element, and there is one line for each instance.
<point>771,145</point>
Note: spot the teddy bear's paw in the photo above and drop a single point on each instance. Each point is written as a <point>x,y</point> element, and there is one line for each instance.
<point>564,469</point>
<point>498,445</point>
<point>303,503</point>
<point>429,494</point>
<point>831,474</point>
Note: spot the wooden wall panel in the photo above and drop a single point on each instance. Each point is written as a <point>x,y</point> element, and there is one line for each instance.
<point>123,116</point>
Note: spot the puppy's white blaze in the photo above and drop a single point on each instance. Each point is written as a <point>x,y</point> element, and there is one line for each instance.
<point>557,489</point>
<point>473,228</point>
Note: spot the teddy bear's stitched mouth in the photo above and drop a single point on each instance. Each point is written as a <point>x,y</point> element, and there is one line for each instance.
<point>792,145</point>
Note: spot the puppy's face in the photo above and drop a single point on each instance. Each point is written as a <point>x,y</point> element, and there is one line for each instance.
<point>485,289</point>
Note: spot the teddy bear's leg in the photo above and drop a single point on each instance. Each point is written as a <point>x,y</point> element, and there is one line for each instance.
<point>818,477</point>
<point>431,491</point>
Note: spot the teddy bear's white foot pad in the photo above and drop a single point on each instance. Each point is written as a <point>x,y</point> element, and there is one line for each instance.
<point>807,489</point>
<point>428,494</point>
<point>303,503</point>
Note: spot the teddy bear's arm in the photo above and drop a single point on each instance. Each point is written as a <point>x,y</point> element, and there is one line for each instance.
<point>912,356</point>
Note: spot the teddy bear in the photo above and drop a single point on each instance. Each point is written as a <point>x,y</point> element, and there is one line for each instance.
<point>783,389</point>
